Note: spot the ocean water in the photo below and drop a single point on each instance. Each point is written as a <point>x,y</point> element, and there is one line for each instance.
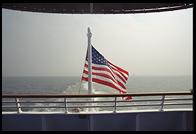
<point>72,85</point>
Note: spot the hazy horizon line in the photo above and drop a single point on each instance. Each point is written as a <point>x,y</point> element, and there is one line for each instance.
<point>80,76</point>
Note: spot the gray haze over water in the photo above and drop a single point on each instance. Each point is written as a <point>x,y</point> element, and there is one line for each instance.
<point>43,44</point>
<point>72,85</point>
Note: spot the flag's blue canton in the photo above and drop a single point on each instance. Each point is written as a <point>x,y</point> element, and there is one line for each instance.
<point>97,58</point>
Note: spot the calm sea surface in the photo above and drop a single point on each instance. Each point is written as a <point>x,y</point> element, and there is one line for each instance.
<point>71,85</point>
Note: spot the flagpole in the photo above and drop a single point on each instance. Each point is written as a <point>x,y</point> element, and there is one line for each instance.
<point>89,34</point>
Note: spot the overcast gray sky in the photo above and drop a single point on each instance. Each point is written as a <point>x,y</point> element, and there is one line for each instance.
<point>43,44</point>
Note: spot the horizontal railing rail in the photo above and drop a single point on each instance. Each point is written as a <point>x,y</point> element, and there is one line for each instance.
<point>116,102</point>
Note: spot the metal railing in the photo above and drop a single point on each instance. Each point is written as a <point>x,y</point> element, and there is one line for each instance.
<point>63,103</point>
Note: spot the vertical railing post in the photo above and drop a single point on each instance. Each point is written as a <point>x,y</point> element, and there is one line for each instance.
<point>65,100</point>
<point>115,104</point>
<point>162,102</point>
<point>18,106</point>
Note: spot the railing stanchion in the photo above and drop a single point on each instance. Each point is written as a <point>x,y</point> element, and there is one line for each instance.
<point>162,102</point>
<point>18,106</point>
<point>115,104</point>
<point>65,100</point>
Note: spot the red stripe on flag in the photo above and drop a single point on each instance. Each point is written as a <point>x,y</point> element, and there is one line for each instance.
<point>107,84</point>
<point>107,76</point>
<point>104,83</point>
<point>106,69</point>
<point>120,73</point>
<point>119,76</point>
<point>127,98</point>
<point>85,72</point>
<point>120,69</point>
<point>84,78</point>
<point>101,69</point>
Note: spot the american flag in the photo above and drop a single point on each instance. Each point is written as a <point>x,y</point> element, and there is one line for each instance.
<point>106,73</point>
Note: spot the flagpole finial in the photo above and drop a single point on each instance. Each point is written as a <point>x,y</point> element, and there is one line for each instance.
<point>89,32</point>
